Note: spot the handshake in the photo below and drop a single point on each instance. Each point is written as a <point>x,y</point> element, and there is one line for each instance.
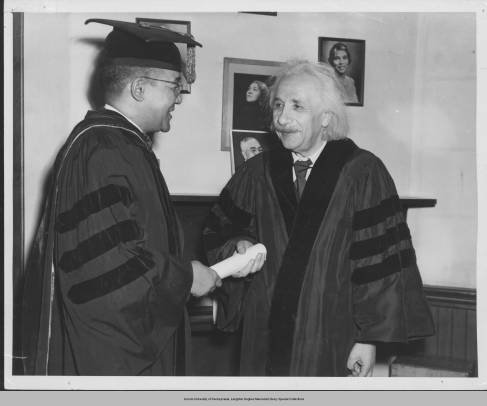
<point>206,280</point>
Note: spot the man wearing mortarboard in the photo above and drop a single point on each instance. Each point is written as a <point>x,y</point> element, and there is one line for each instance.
<point>106,285</point>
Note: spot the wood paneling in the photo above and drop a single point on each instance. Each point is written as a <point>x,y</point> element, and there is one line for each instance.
<point>454,314</point>
<point>452,351</point>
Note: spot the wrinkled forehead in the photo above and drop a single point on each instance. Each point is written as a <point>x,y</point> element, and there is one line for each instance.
<point>300,86</point>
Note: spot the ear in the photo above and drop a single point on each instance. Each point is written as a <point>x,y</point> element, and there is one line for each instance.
<point>137,89</point>
<point>325,118</point>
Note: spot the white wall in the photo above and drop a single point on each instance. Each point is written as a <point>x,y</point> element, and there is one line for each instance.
<point>389,124</point>
<point>46,104</point>
<point>443,153</point>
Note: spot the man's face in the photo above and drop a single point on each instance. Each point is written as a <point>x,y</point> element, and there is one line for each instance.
<point>250,147</point>
<point>161,98</point>
<point>298,114</point>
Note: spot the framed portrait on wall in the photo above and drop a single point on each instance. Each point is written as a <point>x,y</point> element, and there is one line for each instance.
<point>247,144</point>
<point>187,52</point>
<point>246,84</point>
<point>347,57</point>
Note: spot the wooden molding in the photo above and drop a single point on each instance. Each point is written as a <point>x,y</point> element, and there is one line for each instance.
<point>410,202</point>
<point>406,202</point>
<point>194,199</point>
<point>451,296</point>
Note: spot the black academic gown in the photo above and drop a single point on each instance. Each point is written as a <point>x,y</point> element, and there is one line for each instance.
<point>105,289</point>
<point>340,265</point>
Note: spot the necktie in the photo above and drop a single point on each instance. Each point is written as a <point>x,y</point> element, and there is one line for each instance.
<point>300,168</point>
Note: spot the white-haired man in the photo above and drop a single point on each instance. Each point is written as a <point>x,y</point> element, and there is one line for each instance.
<point>340,273</point>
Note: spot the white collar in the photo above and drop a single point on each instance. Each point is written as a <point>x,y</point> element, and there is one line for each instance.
<point>109,107</point>
<point>312,158</point>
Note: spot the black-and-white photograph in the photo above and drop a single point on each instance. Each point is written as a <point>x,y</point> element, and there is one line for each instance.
<point>347,57</point>
<point>251,108</point>
<point>247,144</point>
<point>225,218</point>
<point>246,97</point>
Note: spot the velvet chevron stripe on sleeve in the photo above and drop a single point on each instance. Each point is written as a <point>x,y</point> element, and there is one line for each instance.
<point>376,245</point>
<point>392,264</point>
<point>112,280</point>
<point>387,248</point>
<point>98,244</point>
<point>374,215</point>
<point>92,203</point>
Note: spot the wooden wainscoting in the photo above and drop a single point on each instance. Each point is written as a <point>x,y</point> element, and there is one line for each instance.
<point>452,351</point>
<point>455,316</point>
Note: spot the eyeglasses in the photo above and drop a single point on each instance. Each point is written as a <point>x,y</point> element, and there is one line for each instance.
<point>177,89</point>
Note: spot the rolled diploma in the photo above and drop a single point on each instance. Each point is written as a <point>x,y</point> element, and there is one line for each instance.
<point>237,262</point>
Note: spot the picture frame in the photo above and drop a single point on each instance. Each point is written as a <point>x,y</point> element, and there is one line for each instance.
<point>351,74</point>
<point>187,52</point>
<point>238,113</point>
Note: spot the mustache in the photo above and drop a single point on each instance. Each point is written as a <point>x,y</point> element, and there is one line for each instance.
<point>284,129</point>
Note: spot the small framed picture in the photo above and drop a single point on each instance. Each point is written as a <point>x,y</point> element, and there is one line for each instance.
<point>347,57</point>
<point>247,144</point>
<point>187,52</point>
<point>246,84</point>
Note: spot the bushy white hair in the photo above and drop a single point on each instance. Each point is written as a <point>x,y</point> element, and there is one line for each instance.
<point>331,93</point>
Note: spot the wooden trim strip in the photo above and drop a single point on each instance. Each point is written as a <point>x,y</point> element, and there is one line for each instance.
<point>194,199</point>
<point>451,296</point>
<point>406,202</point>
<point>409,202</point>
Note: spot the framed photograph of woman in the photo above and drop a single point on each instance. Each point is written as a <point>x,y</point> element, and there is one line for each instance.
<point>347,57</point>
<point>246,84</point>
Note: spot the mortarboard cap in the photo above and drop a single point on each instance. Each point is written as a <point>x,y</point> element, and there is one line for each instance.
<point>135,44</point>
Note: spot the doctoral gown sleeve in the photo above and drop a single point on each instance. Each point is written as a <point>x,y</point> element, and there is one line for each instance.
<point>388,300</point>
<point>231,219</point>
<point>119,277</point>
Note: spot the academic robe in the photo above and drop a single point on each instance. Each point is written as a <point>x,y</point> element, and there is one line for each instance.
<point>106,288</point>
<point>340,265</point>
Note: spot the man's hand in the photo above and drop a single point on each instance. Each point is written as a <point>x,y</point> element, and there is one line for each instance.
<point>205,279</point>
<point>361,360</point>
<point>253,265</point>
